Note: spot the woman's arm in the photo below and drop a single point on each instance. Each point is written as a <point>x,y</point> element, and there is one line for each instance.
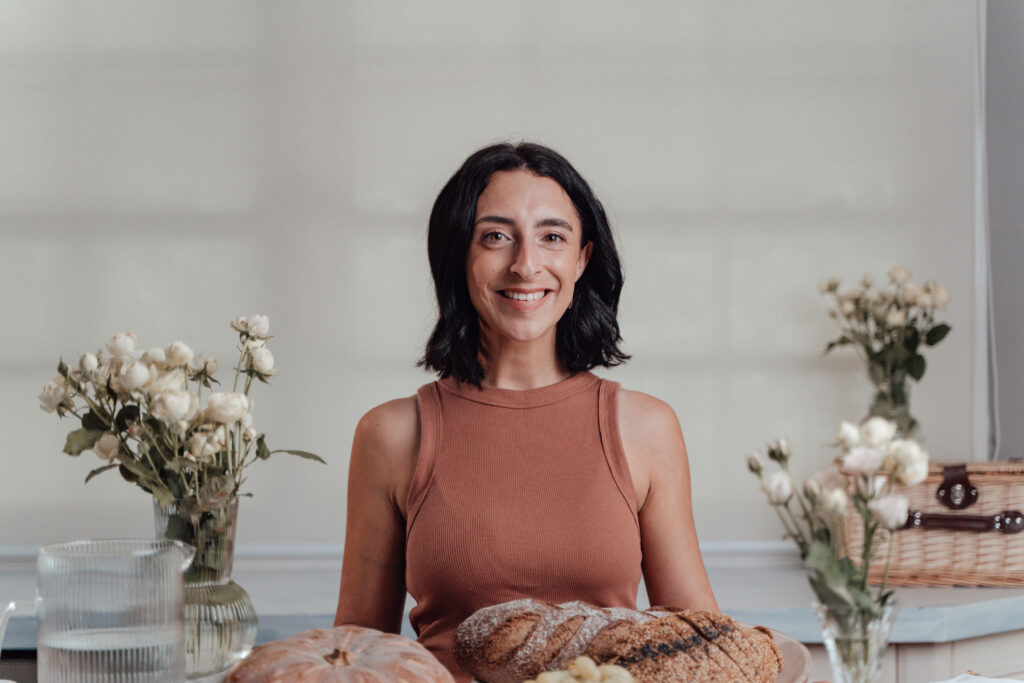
<point>673,569</point>
<point>373,569</point>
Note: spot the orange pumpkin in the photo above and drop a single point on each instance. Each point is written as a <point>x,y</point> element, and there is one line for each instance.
<point>344,654</point>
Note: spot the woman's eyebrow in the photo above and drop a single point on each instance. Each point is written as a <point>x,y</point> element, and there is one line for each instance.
<point>544,222</point>
<point>495,219</point>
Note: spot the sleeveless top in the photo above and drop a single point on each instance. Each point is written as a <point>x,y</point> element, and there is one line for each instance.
<point>517,494</point>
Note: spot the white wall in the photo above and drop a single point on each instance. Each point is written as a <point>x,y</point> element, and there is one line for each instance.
<point>165,166</point>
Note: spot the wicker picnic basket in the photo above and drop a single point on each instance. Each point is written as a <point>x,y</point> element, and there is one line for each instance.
<point>965,529</point>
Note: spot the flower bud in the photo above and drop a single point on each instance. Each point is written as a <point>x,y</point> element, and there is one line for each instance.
<point>88,363</point>
<point>779,450</point>
<point>779,488</point>
<point>121,344</point>
<point>754,463</point>
<point>262,361</point>
<point>107,447</point>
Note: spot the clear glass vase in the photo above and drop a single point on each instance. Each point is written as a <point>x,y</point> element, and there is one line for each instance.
<point>855,641</point>
<point>220,618</point>
<point>891,400</point>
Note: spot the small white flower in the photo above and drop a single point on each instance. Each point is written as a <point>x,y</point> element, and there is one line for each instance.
<point>899,275</point>
<point>848,434</point>
<point>924,300</point>
<point>895,317</point>
<point>262,360</point>
<point>847,307</point>
<point>258,325</point>
<point>941,297</point>
<point>226,407</point>
<point>52,396</point>
<point>107,447</point>
<point>240,324</point>
<point>833,502</point>
<point>88,363</point>
<point>203,447</point>
<point>877,431</point>
<point>155,356</point>
<point>755,463</point>
<point>178,354</point>
<point>778,488</point>
<point>909,293</point>
<point>863,460</point>
<point>133,376</point>
<point>908,461</point>
<point>210,365</point>
<point>121,344</point>
<point>867,281</point>
<point>174,405</point>
<point>890,511</point>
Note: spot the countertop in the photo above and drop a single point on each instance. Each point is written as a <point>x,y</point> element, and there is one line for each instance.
<point>297,592</point>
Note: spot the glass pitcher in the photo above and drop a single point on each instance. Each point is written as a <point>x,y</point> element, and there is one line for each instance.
<point>110,610</point>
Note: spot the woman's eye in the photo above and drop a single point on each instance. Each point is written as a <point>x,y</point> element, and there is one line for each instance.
<point>494,236</point>
<point>553,237</point>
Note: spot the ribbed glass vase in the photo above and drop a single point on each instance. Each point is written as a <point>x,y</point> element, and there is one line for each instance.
<point>220,619</point>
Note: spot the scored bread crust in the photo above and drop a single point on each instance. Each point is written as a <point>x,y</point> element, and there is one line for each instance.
<point>515,641</point>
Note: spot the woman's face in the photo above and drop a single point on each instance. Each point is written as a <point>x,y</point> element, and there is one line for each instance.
<point>525,257</point>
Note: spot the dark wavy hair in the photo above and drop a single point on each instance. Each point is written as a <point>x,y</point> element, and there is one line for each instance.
<point>587,335</point>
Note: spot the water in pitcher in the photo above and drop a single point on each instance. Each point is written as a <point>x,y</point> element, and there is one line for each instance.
<point>125,655</point>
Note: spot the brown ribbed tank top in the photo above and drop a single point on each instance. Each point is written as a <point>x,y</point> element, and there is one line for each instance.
<point>518,494</point>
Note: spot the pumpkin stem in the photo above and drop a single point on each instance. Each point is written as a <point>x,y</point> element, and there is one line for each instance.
<point>338,654</point>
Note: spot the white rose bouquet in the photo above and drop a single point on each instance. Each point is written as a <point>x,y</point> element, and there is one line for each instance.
<point>855,619</point>
<point>143,414</point>
<point>887,327</point>
<point>872,464</point>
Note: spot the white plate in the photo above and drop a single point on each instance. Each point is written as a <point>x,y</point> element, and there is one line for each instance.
<point>796,659</point>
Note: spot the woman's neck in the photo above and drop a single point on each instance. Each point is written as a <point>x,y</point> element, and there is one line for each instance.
<point>526,365</point>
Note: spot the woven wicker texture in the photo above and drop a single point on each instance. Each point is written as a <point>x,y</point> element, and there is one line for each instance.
<point>933,557</point>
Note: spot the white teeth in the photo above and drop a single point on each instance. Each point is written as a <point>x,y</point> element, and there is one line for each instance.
<point>518,296</point>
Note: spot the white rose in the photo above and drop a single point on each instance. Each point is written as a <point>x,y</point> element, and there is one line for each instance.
<point>174,405</point>
<point>895,317</point>
<point>155,356</point>
<point>909,293</point>
<point>259,325</point>
<point>210,365</point>
<point>121,344</point>
<point>226,407</point>
<point>863,460</point>
<point>262,360</point>
<point>848,434</point>
<point>178,353</point>
<point>890,511</point>
<point>203,447</point>
<point>924,300</point>
<point>833,502</point>
<point>908,461</point>
<point>941,297</point>
<point>107,447</point>
<point>165,381</point>
<point>898,275</point>
<point>53,395</point>
<point>847,307</point>
<point>88,363</point>
<point>133,376</point>
<point>240,324</point>
<point>778,488</point>
<point>877,431</point>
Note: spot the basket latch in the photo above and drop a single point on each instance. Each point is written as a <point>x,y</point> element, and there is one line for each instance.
<point>956,491</point>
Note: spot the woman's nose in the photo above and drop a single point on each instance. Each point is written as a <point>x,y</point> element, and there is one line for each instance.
<point>525,264</point>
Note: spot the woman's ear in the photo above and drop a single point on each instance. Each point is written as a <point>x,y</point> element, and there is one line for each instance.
<point>584,259</point>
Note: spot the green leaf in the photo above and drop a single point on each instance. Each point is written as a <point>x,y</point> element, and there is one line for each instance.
<point>98,470</point>
<point>128,475</point>
<point>302,454</point>
<point>93,421</point>
<point>916,366</point>
<point>912,340</point>
<point>936,334</point>
<point>262,452</point>
<point>127,415</point>
<point>81,440</point>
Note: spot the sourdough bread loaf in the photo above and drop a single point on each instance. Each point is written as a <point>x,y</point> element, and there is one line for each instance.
<point>515,641</point>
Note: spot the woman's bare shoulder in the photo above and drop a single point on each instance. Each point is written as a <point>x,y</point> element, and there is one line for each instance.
<point>390,430</point>
<point>646,419</point>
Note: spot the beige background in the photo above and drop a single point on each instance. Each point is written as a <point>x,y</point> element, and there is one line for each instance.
<point>165,166</point>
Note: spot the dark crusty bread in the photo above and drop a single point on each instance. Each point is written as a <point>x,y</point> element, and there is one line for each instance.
<point>514,641</point>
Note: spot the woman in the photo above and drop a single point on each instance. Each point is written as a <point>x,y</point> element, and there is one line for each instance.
<point>519,473</point>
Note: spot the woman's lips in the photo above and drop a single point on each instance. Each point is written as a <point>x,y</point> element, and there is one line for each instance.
<point>524,300</point>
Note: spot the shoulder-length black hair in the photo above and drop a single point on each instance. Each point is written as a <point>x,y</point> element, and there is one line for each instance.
<point>587,335</point>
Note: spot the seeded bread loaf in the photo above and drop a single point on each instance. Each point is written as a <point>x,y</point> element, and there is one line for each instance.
<point>517,640</point>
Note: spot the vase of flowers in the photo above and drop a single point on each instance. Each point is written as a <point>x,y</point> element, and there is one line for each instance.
<point>856,618</point>
<point>144,415</point>
<point>887,327</point>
